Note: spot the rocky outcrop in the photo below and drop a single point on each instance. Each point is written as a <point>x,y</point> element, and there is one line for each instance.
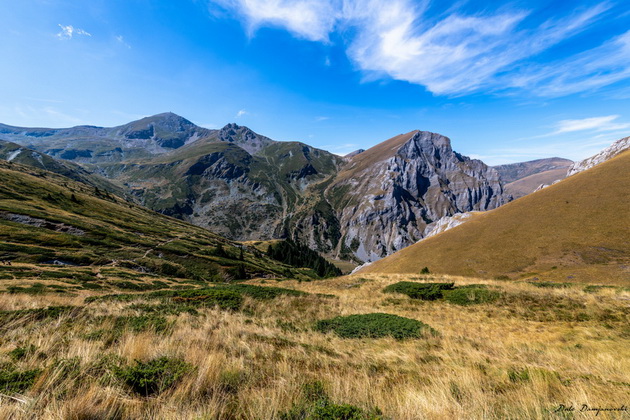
<point>446,223</point>
<point>409,183</point>
<point>608,153</point>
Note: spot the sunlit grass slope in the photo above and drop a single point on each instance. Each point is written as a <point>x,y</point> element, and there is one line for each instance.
<point>577,230</point>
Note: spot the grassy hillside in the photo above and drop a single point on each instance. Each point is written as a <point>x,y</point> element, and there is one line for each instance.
<point>68,230</point>
<point>300,352</point>
<point>18,154</point>
<point>576,230</point>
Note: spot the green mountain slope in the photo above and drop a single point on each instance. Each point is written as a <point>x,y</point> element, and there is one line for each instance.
<point>47,220</point>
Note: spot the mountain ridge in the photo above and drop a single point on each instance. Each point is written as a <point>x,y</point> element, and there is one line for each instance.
<point>246,186</point>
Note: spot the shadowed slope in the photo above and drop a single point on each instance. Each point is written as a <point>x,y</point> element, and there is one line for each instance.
<point>577,229</point>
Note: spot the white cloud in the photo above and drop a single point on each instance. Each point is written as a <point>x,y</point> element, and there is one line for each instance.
<point>457,53</point>
<point>121,40</point>
<point>341,149</point>
<point>241,113</point>
<point>594,123</point>
<point>322,118</point>
<point>68,31</point>
<point>309,19</point>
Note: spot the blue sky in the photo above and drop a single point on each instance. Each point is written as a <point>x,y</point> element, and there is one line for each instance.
<point>506,81</point>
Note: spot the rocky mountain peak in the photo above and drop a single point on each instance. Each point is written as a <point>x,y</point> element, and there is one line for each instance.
<point>243,137</point>
<point>608,153</point>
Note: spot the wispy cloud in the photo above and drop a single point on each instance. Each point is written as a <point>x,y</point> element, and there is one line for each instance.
<point>321,118</point>
<point>341,149</point>
<point>604,124</point>
<point>122,41</point>
<point>69,31</point>
<point>241,113</point>
<point>456,53</point>
<point>595,123</point>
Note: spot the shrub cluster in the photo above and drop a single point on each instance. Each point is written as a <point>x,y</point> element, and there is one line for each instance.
<point>316,405</point>
<point>261,292</point>
<point>374,325</point>
<point>424,291</point>
<point>471,295</point>
<point>152,377</point>
<point>462,295</point>
<point>12,380</point>
<point>36,314</point>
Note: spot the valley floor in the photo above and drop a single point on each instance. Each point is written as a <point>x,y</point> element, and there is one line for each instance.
<point>535,349</point>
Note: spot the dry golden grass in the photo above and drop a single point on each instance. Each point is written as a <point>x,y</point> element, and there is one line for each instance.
<point>576,230</point>
<point>520,357</point>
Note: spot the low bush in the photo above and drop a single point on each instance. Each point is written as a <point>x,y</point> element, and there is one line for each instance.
<point>594,288</point>
<point>316,405</point>
<point>471,295</point>
<point>424,291</point>
<point>12,380</point>
<point>152,377</point>
<point>224,299</point>
<point>36,314</point>
<point>164,308</point>
<point>20,353</point>
<point>262,292</point>
<point>142,323</point>
<point>550,285</point>
<point>374,325</point>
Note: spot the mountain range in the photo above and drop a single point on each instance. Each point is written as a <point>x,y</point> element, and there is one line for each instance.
<point>245,186</point>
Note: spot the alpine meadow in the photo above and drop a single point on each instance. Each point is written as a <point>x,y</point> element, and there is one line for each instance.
<point>356,210</point>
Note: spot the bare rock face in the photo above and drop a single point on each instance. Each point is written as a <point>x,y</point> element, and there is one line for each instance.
<point>446,223</point>
<point>409,182</point>
<point>608,153</point>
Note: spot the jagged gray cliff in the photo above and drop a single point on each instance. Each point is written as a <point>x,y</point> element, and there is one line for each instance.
<point>386,196</point>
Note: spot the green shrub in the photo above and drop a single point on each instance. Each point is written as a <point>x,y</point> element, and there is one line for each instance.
<point>17,381</point>
<point>316,405</point>
<point>425,270</point>
<point>20,353</point>
<point>374,326</point>
<point>164,308</point>
<point>142,323</point>
<point>424,291</point>
<point>550,285</point>
<point>518,375</point>
<point>471,295</point>
<point>36,314</point>
<point>262,292</point>
<point>154,376</point>
<point>231,380</point>
<point>224,299</point>
<point>592,288</point>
